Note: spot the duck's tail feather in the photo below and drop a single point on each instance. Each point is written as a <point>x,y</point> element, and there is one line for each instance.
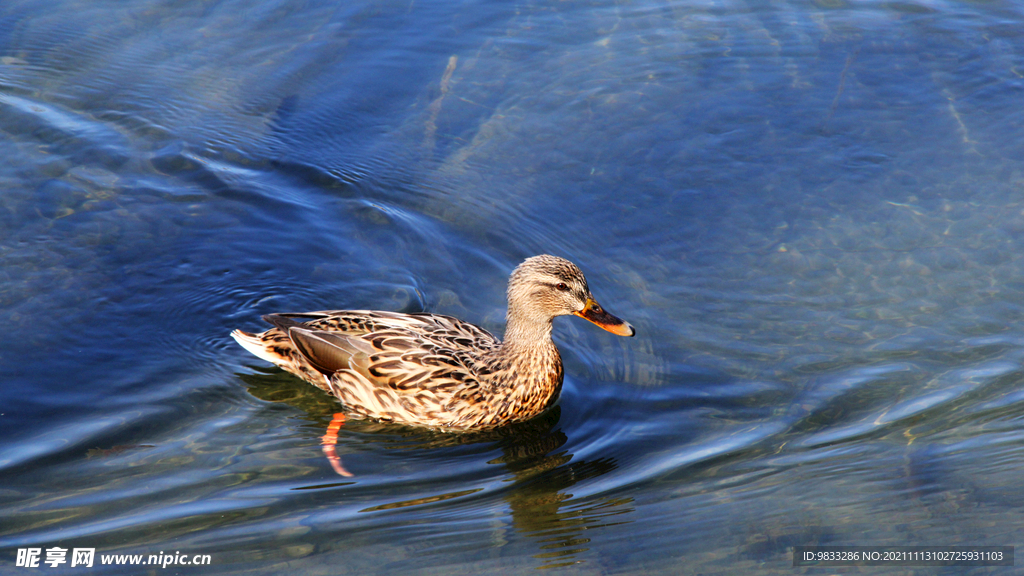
<point>254,344</point>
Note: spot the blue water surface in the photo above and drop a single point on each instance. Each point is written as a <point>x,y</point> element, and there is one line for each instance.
<point>812,212</point>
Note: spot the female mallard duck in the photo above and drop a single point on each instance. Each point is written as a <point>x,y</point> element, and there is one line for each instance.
<point>432,370</point>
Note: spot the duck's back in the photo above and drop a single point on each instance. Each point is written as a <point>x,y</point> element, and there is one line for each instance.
<point>415,368</point>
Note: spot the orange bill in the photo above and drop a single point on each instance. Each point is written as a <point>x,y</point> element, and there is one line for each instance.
<point>594,313</point>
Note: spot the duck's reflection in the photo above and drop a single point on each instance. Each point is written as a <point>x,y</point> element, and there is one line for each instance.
<point>541,470</point>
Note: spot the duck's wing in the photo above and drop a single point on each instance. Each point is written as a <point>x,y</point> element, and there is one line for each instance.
<point>408,368</point>
<point>432,328</point>
<point>394,358</point>
<point>349,321</point>
<point>328,352</point>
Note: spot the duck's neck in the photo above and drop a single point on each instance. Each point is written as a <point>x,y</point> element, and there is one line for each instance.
<point>530,354</point>
<point>527,334</point>
<point>532,366</point>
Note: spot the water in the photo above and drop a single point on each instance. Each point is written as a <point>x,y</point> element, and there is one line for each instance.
<point>810,211</point>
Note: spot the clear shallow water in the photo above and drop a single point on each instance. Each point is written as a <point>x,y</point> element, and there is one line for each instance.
<point>810,211</point>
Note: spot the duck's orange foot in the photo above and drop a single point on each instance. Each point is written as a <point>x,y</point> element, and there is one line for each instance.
<point>329,444</point>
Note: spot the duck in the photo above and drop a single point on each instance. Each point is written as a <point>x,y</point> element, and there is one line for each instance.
<point>436,371</point>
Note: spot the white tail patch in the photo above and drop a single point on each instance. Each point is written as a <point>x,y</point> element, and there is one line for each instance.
<point>253,344</point>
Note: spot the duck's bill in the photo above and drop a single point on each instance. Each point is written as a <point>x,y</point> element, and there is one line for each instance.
<point>594,313</point>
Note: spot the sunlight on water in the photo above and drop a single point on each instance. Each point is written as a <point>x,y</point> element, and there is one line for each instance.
<point>810,211</point>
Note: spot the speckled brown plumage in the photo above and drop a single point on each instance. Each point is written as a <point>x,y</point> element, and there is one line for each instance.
<point>433,370</point>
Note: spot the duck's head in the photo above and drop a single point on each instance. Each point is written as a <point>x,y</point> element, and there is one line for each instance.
<point>543,287</point>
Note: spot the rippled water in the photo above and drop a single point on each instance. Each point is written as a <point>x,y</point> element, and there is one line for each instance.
<point>812,212</point>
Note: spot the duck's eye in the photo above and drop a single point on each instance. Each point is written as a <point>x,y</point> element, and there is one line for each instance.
<point>562,287</point>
